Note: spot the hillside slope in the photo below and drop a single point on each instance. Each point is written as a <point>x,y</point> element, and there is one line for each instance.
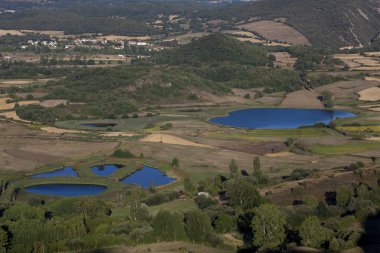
<point>335,23</point>
<point>215,48</point>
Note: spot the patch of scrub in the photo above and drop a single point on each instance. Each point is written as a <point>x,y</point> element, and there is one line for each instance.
<point>148,176</point>
<point>279,118</point>
<point>65,172</point>
<point>66,190</point>
<point>105,170</point>
<point>99,124</point>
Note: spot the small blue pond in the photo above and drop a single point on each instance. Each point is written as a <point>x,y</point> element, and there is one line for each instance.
<point>279,118</point>
<point>105,170</point>
<point>66,190</point>
<point>147,176</point>
<point>65,172</point>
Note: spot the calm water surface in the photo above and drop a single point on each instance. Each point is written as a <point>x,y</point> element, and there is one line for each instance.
<point>105,170</point>
<point>279,118</point>
<point>66,190</point>
<point>147,176</point>
<point>65,172</point>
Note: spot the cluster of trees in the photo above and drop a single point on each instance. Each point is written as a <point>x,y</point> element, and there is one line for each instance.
<point>326,225</point>
<point>77,60</point>
<point>225,205</point>
<point>215,48</point>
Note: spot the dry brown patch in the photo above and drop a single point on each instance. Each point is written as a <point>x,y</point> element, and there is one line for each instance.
<point>53,102</point>
<point>186,38</point>
<point>117,134</point>
<point>284,59</point>
<point>60,130</point>
<point>276,31</point>
<point>302,98</point>
<point>347,89</point>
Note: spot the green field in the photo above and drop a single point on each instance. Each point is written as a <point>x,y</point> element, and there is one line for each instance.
<point>282,133</point>
<point>347,148</point>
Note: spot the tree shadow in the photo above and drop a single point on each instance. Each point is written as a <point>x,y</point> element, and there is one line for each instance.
<point>370,240</point>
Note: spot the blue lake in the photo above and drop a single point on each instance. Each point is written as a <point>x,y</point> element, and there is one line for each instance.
<point>65,172</point>
<point>279,118</point>
<point>105,170</point>
<point>147,176</point>
<point>66,190</point>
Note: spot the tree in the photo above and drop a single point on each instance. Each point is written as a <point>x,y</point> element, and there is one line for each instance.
<point>224,223</point>
<point>175,162</point>
<point>256,164</point>
<point>198,226</point>
<point>135,204</point>
<point>310,200</point>
<point>168,226</point>
<point>312,233</point>
<point>234,170</point>
<point>268,226</point>
<point>242,194</point>
<point>188,185</point>
<point>327,99</point>
<point>343,196</point>
<point>3,240</point>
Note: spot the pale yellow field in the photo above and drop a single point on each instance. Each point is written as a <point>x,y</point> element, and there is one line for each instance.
<point>11,32</point>
<point>279,154</point>
<point>9,106</point>
<point>370,78</point>
<point>169,139</point>
<point>49,33</point>
<point>13,115</point>
<point>371,94</point>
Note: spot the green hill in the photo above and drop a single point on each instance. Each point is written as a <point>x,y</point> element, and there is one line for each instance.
<point>215,48</point>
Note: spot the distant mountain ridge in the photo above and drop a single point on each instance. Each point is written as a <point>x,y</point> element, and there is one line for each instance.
<point>336,23</point>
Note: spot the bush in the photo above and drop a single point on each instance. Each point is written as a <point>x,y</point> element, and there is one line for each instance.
<point>161,197</point>
<point>120,153</point>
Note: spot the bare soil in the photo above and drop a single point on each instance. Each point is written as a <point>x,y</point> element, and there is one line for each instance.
<point>277,31</point>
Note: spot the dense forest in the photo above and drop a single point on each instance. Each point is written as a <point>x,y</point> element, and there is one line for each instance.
<point>325,23</point>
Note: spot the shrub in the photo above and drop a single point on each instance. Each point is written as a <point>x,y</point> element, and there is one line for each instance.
<point>120,153</point>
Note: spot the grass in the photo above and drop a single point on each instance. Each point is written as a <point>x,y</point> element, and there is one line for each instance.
<point>347,148</point>
<point>359,128</point>
<point>285,133</point>
<point>178,205</point>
